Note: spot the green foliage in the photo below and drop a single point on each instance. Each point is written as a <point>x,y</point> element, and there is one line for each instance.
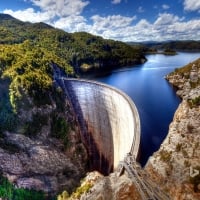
<point>59,98</point>
<point>77,193</point>
<point>81,190</point>
<point>8,118</point>
<point>27,52</point>
<point>194,102</point>
<point>28,72</point>
<point>9,192</point>
<point>71,49</point>
<point>165,156</point>
<point>63,196</point>
<point>60,128</point>
<point>169,51</point>
<point>188,45</point>
<point>187,68</point>
<point>183,45</point>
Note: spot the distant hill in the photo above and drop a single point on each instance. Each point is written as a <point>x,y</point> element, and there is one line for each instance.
<point>185,45</point>
<point>82,51</point>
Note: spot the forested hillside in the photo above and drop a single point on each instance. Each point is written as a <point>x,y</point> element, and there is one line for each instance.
<point>27,51</point>
<point>79,50</point>
<point>39,136</point>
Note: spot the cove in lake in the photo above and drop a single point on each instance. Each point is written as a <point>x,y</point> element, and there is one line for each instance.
<point>154,97</point>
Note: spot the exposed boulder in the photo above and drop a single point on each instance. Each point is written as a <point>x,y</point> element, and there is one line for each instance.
<point>111,187</point>
<point>37,165</point>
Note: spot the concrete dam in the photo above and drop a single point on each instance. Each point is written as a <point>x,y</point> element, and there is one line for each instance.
<point>108,120</point>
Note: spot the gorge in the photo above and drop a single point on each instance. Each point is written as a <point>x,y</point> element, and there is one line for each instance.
<point>42,142</point>
<point>170,166</point>
<point>154,97</point>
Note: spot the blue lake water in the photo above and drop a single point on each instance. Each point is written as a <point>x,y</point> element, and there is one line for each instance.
<point>154,97</point>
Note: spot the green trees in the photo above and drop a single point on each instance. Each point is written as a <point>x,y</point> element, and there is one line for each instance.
<point>69,50</point>
<point>60,128</point>
<point>27,71</point>
<point>9,192</point>
<point>27,52</point>
<point>7,116</point>
<point>63,196</point>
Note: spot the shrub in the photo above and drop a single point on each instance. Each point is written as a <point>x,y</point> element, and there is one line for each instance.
<point>60,128</point>
<point>165,156</point>
<point>194,102</point>
<point>178,147</point>
<point>9,192</point>
<point>63,196</point>
<point>8,119</point>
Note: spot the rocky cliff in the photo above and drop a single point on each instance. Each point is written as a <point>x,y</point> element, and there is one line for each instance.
<point>43,151</point>
<point>173,167</point>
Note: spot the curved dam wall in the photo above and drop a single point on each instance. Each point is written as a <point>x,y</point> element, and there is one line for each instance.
<point>109,122</point>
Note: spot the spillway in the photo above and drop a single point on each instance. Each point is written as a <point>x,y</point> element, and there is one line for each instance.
<point>108,120</point>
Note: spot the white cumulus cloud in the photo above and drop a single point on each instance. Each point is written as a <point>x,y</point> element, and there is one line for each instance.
<point>113,26</point>
<point>30,15</point>
<point>166,26</point>
<point>72,23</point>
<point>166,18</point>
<point>61,8</point>
<point>111,21</point>
<point>192,5</point>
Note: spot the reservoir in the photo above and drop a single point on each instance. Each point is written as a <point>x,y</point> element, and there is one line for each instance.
<point>155,98</point>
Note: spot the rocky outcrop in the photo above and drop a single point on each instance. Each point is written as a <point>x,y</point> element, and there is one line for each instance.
<point>39,153</point>
<point>172,167</point>
<point>37,165</point>
<point>111,187</point>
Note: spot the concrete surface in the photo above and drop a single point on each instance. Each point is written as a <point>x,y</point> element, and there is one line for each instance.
<point>109,122</point>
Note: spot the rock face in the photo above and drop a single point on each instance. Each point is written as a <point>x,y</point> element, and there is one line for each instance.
<point>111,187</point>
<point>37,165</point>
<point>172,166</point>
<point>39,154</point>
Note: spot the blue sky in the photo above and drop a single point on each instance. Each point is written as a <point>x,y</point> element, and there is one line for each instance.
<point>125,20</point>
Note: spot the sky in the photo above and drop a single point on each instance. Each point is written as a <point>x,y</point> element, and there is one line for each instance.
<point>124,20</point>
